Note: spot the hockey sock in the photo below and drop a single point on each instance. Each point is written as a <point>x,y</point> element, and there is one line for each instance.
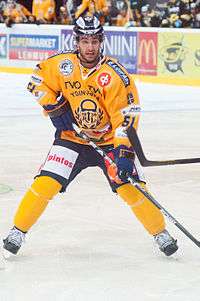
<point>35,201</point>
<point>146,212</point>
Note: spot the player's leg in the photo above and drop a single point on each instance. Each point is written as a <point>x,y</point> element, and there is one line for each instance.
<point>30,209</point>
<point>34,202</point>
<point>149,215</point>
<point>146,212</point>
<point>59,169</point>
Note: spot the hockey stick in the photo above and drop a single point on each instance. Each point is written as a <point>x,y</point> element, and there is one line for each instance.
<point>134,139</point>
<point>100,151</point>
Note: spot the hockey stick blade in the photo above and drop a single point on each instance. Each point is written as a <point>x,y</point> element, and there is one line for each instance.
<point>135,142</point>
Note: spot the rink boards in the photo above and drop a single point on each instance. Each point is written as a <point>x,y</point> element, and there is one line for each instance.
<point>150,54</point>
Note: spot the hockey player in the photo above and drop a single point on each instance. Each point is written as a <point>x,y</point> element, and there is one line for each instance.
<point>95,92</point>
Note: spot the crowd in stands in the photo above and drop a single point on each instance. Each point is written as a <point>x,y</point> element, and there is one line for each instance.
<point>128,13</point>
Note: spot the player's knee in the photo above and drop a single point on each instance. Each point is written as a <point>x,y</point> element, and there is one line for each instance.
<point>45,187</point>
<point>130,194</point>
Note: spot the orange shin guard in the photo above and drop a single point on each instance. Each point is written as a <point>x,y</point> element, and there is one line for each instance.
<point>35,201</point>
<point>146,212</point>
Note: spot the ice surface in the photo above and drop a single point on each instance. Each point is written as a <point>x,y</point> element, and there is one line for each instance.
<point>88,246</point>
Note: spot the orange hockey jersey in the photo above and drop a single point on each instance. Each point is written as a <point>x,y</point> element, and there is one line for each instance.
<point>43,9</point>
<point>104,100</point>
<point>91,7</point>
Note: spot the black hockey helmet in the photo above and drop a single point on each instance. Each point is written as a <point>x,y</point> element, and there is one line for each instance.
<point>88,25</point>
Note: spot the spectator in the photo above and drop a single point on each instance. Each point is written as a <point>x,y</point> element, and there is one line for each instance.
<point>196,15</point>
<point>155,19</point>
<point>2,7</point>
<point>119,13</point>
<point>44,11</point>
<point>136,16</point>
<point>165,23</point>
<point>111,17</point>
<point>93,7</point>
<point>137,4</point>
<point>186,20</point>
<point>71,7</point>
<point>185,6</point>
<point>16,13</point>
<point>63,17</point>
<point>186,15</point>
<point>172,13</point>
<point>145,16</point>
<point>124,14</point>
<point>174,21</point>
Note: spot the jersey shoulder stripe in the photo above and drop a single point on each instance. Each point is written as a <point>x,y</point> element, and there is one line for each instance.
<point>62,52</point>
<point>118,69</point>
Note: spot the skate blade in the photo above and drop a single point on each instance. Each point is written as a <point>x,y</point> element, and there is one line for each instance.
<point>6,254</point>
<point>2,261</point>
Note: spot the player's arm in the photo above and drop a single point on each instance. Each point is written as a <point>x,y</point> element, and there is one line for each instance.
<point>123,107</point>
<point>25,11</point>
<point>44,85</point>
<point>82,8</point>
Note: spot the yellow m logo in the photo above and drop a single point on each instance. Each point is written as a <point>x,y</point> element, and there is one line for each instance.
<point>147,52</point>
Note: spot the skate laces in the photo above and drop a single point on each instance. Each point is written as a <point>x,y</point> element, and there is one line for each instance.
<point>164,239</point>
<point>16,237</point>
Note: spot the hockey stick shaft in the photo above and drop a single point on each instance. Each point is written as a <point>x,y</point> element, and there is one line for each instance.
<point>134,139</point>
<point>166,213</point>
<point>137,185</point>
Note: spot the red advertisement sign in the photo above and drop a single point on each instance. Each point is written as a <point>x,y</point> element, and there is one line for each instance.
<point>31,55</point>
<point>32,47</point>
<point>147,53</point>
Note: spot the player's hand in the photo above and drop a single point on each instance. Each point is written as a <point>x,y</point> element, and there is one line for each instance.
<point>123,166</point>
<point>61,115</point>
<point>64,120</point>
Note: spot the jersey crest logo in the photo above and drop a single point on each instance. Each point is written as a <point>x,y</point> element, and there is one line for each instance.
<point>88,114</point>
<point>66,67</point>
<point>104,79</point>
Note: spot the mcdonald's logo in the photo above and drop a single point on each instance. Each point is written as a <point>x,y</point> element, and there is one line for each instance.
<point>147,52</point>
